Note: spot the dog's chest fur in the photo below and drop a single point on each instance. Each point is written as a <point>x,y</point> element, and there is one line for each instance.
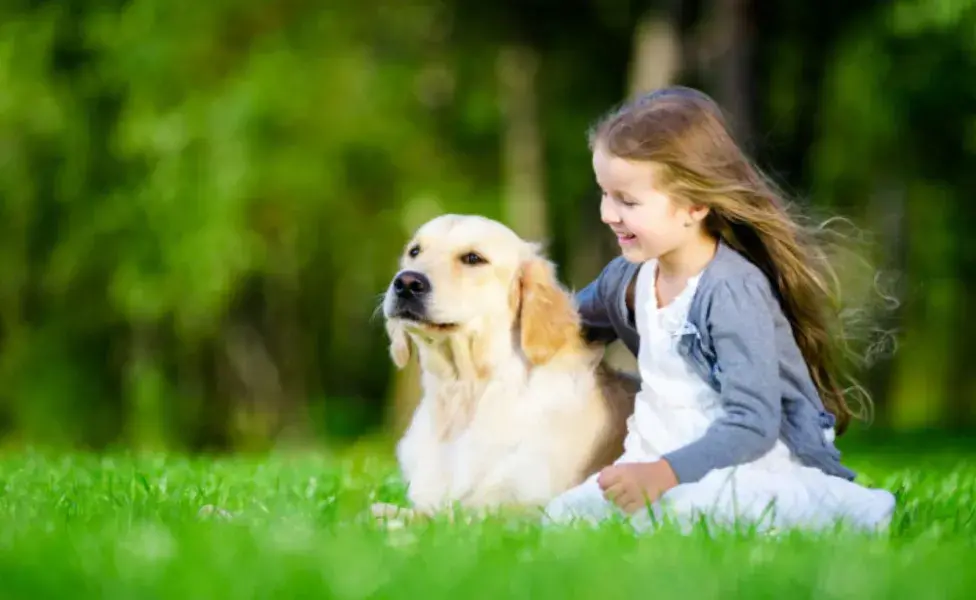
<point>491,442</point>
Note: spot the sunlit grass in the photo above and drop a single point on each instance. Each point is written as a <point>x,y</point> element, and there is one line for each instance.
<point>123,526</point>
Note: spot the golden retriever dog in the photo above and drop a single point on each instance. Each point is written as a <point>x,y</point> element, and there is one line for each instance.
<point>515,406</point>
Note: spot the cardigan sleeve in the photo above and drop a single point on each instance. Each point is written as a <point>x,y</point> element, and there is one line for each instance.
<point>600,299</point>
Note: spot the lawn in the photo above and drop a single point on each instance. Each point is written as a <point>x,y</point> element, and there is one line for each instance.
<point>117,526</point>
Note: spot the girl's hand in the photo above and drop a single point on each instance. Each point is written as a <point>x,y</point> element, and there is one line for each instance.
<point>632,486</point>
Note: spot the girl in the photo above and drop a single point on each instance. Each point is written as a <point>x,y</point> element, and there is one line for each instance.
<point>719,295</point>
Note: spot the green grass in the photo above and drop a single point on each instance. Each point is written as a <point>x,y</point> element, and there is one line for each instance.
<point>84,526</point>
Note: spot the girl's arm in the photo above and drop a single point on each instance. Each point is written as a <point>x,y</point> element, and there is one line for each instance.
<point>741,321</point>
<point>596,301</point>
<point>594,318</point>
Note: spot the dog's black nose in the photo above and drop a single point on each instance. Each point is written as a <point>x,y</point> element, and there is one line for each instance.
<point>411,284</point>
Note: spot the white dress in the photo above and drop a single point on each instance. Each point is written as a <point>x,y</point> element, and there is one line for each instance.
<point>674,408</point>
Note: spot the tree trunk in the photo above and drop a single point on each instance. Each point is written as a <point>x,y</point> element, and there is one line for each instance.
<point>724,56</point>
<point>255,413</point>
<point>290,353</point>
<point>920,395</point>
<point>656,58</point>
<point>524,203</point>
<point>145,390</point>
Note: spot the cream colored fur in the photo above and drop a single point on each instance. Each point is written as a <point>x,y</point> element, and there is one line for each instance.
<point>515,407</point>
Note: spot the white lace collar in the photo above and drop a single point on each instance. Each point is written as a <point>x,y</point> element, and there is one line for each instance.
<point>682,300</point>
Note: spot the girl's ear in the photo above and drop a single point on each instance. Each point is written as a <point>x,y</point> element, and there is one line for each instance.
<point>698,212</point>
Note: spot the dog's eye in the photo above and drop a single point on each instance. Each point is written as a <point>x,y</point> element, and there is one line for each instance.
<point>473,258</point>
<point>414,251</point>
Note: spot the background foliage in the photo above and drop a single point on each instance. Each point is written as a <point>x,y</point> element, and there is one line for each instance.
<point>200,202</point>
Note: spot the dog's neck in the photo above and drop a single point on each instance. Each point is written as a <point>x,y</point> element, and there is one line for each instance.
<point>468,356</point>
<point>458,369</point>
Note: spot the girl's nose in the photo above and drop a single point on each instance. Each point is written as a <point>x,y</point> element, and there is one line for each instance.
<point>608,212</point>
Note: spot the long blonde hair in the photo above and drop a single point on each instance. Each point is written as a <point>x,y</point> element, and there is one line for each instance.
<point>683,131</point>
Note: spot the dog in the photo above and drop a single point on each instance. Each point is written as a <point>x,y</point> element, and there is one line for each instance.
<point>516,406</point>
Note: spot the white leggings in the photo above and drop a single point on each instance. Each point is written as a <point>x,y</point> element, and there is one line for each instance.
<point>747,495</point>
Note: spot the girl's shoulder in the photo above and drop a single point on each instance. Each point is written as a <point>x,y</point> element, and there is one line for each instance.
<point>736,300</point>
<point>734,277</point>
<point>728,263</point>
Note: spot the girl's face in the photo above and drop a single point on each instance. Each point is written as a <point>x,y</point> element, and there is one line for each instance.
<point>648,224</point>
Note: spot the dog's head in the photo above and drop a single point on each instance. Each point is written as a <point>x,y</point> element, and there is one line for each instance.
<point>471,276</point>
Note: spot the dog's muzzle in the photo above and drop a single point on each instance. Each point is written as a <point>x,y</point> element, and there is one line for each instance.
<point>411,290</point>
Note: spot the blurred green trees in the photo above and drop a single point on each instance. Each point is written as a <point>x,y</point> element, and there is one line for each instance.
<point>200,203</point>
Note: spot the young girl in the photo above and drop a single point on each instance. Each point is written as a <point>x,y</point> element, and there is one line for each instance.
<point>721,298</point>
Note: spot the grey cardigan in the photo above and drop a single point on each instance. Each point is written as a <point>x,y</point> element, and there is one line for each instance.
<point>739,341</point>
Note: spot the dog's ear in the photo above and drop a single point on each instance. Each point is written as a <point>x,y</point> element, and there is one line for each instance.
<point>548,319</point>
<point>399,344</point>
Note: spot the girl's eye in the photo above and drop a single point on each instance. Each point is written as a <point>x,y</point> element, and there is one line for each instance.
<point>619,199</point>
<point>472,258</point>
